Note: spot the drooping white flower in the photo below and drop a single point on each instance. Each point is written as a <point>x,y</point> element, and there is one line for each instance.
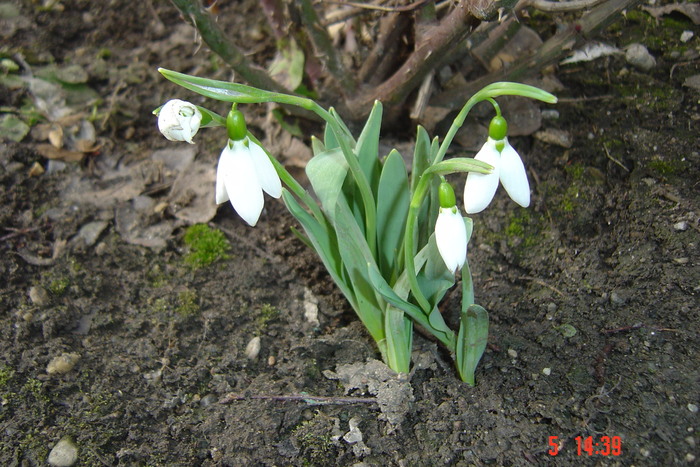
<point>451,238</point>
<point>179,120</point>
<point>507,167</point>
<point>244,172</point>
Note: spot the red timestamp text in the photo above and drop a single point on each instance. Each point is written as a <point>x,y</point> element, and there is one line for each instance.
<point>603,446</point>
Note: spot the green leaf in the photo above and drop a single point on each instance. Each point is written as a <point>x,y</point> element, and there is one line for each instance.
<point>288,65</point>
<point>393,198</point>
<point>471,341</point>
<point>13,128</point>
<point>367,148</point>
<point>317,145</point>
<point>324,243</point>
<point>222,90</point>
<point>421,156</point>
<point>356,255</point>
<point>460,164</point>
<point>399,339</point>
<point>439,330</point>
<point>327,172</point>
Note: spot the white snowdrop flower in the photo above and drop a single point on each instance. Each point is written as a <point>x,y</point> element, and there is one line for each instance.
<point>179,120</point>
<point>507,167</point>
<point>244,172</point>
<point>451,238</point>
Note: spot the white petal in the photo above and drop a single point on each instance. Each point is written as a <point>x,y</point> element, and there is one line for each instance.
<point>222,169</point>
<point>513,176</point>
<point>242,184</point>
<point>267,175</point>
<point>480,188</point>
<point>451,238</point>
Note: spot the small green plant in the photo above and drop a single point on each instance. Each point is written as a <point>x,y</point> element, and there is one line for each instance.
<point>187,303</point>
<point>206,245</point>
<point>393,243</point>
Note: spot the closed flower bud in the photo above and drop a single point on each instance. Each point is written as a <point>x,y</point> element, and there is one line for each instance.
<point>179,120</point>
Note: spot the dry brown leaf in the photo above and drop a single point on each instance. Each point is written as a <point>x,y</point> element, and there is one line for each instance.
<point>55,136</point>
<point>51,152</point>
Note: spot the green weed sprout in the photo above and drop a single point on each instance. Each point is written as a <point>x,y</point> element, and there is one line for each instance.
<point>391,242</point>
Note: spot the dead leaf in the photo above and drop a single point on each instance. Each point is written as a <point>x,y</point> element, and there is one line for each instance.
<point>36,170</point>
<point>51,152</point>
<point>55,136</point>
<point>691,10</point>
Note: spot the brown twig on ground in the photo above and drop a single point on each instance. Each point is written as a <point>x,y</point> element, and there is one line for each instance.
<point>438,41</point>
<point>551,51</point>
<point>314,400</point>
<point>218,42</point>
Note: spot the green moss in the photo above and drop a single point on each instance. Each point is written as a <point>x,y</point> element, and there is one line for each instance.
<point>6,374</point>
<point>206,245</point>
<point>59,286</point>
<point>266,314</point>
<point>665,168</point>
<point>187,303</point>
<point>315,440</point>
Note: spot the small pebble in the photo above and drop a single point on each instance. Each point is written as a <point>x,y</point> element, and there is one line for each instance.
<point>252,350</point>
<point>550,114</point>
<point>616,298</point>
<point>681,226</point>
<point>271,360</point>
<point>512,353</point>
<point>686,36</point>
<point>690,457</point>
<point>639,57</point>
<point>64,454</point>
<point>546,371</point>
<point>693,408</point>
<point>62,364</point>
<point>38,295</point>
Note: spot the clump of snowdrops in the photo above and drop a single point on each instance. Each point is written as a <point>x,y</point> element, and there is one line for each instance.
<point>393,243</point>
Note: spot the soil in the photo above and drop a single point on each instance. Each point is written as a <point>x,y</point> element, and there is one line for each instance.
<point>135,357</point>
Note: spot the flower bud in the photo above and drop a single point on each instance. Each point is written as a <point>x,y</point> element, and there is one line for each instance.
<point>179,120</point>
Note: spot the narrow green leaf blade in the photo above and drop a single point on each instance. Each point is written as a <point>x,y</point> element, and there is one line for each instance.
<point>324,243</point>
<point>421,156</point>
<point>355,254</point>
<point>367,148</point>
<point>393,198</point>
<point>471,341</point>
<point>327,172</point>
<point>399,339</point>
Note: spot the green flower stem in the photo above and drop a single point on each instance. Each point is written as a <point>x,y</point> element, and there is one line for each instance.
<point>409,240</point>
<point>489,92</point>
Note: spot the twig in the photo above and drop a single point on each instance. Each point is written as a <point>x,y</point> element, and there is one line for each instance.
<point>215,38</point>
<point>543,284</point>
<point>551,51</point>
<point>607,153</point>
<point>314,400</point>
<point>370,6</point>
<point>552,7</point>
<point>323,46</point>
<point>439,41</point>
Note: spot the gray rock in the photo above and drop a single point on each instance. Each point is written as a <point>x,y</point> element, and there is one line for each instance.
<point>639,57</point>
<point>64,454</point>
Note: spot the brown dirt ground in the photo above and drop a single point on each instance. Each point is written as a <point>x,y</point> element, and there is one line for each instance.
<point>592,291</point>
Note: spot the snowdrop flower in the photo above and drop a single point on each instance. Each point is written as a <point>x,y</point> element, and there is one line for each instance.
<point>450,230</point>
<point>507,167</point>
<point>244,172</point>
<point>179,120</point>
